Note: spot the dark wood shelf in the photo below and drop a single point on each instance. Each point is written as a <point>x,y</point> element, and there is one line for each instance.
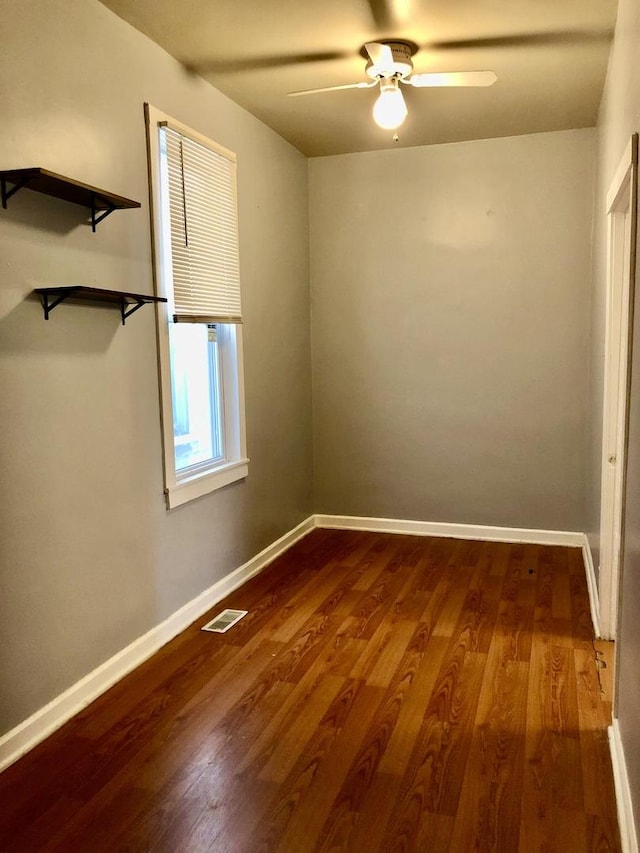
<point>127,302</point>
<point>100,202</point>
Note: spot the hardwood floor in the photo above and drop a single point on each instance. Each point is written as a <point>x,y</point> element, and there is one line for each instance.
<point>385,693</point>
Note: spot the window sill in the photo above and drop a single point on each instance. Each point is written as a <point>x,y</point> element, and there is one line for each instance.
<point>202,484</point>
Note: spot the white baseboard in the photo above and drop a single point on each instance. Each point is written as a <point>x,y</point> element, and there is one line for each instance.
<point>623,791</point>
<point>592,585</point>
<point>45,721</point>
<point>456,531</point>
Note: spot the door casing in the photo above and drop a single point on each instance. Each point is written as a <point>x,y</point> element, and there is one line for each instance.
<point>621,257</point>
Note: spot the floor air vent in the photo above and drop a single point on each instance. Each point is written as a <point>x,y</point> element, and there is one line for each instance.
<point>225,620</point>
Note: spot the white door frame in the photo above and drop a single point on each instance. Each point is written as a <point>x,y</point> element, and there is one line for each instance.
<point>621,252</point>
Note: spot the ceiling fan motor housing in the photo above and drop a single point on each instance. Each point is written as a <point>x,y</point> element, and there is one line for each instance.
<point>401,66</point>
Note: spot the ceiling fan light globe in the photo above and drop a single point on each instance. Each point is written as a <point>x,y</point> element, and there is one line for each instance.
<point>390,109</point>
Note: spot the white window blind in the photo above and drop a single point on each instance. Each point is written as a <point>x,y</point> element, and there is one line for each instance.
<point>204,231</point>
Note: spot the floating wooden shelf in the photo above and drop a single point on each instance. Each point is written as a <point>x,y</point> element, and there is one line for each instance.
<point>100,202</point>
<point>127,302</point>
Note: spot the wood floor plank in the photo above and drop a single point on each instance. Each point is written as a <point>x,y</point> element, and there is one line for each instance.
<point>488,816</point>
<point>435,557</point>
<point>447,601</point>
<point>275,749</point>
<point>220,815</point>
<point>365,540</point>
<point>561,606</point>
<point>371,608</point>
<point>29,795</point>
<point>385,694</point>
<point>292,741</point>
<point>581,624</point>
<point>497,556</point>
<point>371,564</point>
<point>306,796</point>
<point>384,651</point>
<point>516,608</point>
<point>395,760</point>
<point>434,777</point>
<point>548,628</point>
<point>553,781</point>
<point>593,717</point>
<point>360,776</point>
<point>365,828</point>
<point>291,616</point>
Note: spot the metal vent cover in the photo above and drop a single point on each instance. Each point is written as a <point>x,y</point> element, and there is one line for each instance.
<point>225,620</point>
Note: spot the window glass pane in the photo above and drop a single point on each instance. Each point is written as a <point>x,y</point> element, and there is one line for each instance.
<point>195,394</point>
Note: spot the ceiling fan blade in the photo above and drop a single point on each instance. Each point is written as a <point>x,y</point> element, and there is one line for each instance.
<point>333,88</point>
<point>222,66</point>
<point>526,40</point>
<point>381,13</point>
<point>380,55</point>
<point>453,78</point>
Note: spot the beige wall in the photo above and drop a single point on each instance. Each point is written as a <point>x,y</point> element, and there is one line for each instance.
<point>619,118</point>
<point>450,321</point>
<point>90,558</point>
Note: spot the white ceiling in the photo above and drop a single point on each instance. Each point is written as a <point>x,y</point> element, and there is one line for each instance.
<point>550,58</point>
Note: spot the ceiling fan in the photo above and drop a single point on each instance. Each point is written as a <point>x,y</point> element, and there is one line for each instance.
<point>390,64</point>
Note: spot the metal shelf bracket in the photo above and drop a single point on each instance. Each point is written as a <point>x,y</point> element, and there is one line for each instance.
<point>123,309</point>
<point>49,306</point>
<point>6,194</point>
<point>96,216</point>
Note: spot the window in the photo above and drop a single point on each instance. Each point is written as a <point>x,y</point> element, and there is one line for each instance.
<point>195,235</point>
